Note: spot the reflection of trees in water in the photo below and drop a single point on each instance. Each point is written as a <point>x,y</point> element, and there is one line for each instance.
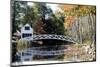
<point>14,50</point>
<point>41,58</point>
<point>50,45</point>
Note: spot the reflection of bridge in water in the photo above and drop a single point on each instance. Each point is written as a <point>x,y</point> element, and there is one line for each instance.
<point>28,54</point>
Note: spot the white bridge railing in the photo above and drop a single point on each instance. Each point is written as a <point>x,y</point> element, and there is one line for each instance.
<point>53,36</point>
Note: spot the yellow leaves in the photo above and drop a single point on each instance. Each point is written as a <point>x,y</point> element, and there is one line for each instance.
<point>93,9</point>
<point>69,21</point>
<point>71,11</point>
<point>77,10</point>
<point>83,10</point>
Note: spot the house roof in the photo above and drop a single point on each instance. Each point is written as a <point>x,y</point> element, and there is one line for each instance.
<point>26,25</point>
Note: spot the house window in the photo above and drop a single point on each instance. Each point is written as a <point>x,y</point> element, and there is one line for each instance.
<point>27,59</point>
<point>27,28</point>
<point>26,35</point>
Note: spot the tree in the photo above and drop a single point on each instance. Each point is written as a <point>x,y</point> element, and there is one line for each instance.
<point>18,11</point>
<point>80,11</point>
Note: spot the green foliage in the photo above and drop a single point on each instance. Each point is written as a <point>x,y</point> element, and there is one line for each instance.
<point>18,11</point>
<point>58,24</point>
<point>22,44</point>
<point>23,13</point>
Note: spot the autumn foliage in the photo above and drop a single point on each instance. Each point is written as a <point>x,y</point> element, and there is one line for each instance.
<point>38,27</point>
<point>69,21</point>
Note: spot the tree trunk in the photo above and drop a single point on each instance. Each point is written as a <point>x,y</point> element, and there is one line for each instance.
<point>78,35</point>
<point>91,28</point>
<point>80,31</point>
<point>93,32</point>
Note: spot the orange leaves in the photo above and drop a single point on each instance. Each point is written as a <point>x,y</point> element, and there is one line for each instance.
<point>67,7</point>
<point>69,21</point>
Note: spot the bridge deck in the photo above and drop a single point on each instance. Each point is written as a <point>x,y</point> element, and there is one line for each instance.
<point>56,37</point>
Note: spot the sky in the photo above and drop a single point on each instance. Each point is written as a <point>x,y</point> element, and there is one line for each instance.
<point>54,7</point>
<point>30,3</point>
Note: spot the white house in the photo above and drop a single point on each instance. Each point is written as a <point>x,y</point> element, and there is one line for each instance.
<point>27,32</point>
